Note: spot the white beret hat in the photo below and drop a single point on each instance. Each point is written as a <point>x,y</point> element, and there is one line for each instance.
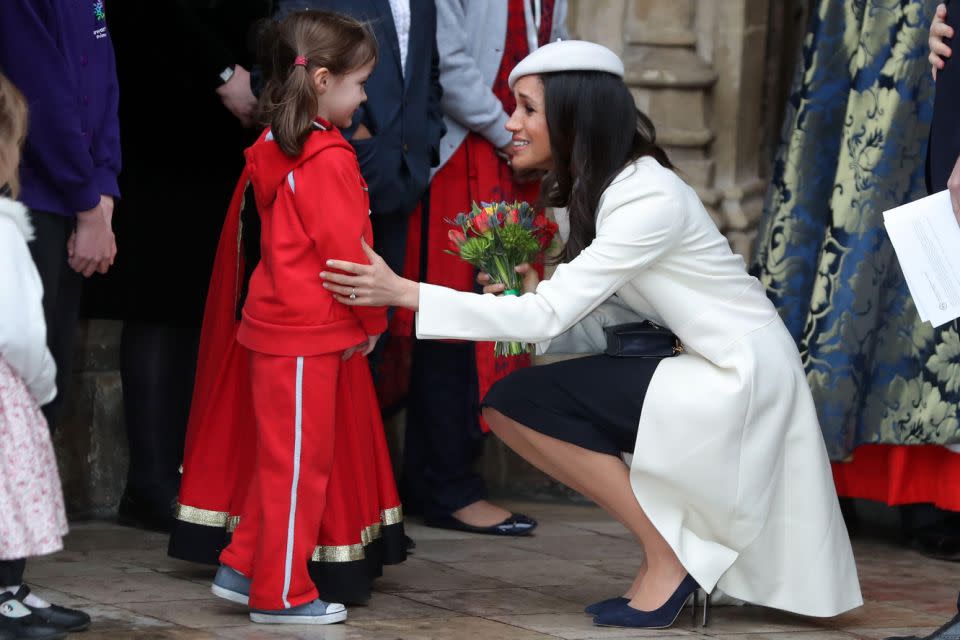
<point>568,55</point>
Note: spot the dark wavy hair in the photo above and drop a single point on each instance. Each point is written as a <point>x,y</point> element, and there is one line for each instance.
<point>590,117</point>
<point>288,104</point>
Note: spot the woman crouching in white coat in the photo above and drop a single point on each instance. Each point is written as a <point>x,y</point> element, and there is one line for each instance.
<point>729,483</point>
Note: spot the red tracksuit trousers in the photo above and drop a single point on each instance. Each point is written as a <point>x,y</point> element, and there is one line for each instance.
<point>294,403</point>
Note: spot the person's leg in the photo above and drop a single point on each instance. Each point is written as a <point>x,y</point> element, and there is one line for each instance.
<point>62,287</point>
<point>11,573</point>
<point>443,436</point>
<point>295,409</point>
<point>606,479</point>
<point>157,364</point>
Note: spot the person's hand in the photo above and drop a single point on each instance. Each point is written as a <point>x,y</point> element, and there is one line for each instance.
<point>92,246</point>
<point>527,285</point>
<point>365,347</point>
<point>361,133</point>
<point>953,184</point>
<point>370,285</point>
<point>939,30</point>
<point>237,96</point>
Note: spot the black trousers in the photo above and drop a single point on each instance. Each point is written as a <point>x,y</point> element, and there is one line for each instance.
<point>157,366</point>
<point>443,436</point>
<point>62,287</point>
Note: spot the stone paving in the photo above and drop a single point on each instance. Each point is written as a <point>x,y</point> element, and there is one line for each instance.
<point>469,587</point>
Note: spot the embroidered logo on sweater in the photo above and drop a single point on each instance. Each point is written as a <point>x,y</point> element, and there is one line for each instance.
<point>98,11</point>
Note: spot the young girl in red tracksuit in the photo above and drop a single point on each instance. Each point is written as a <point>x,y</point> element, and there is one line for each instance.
<point>309,378</point>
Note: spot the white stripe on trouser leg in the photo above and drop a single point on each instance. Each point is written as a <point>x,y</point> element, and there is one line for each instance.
<point>298,424</point>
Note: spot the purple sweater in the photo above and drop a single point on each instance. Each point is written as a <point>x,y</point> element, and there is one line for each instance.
<point>59,54</point>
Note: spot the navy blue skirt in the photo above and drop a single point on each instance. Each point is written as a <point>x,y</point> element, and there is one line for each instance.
<point>593,402</point>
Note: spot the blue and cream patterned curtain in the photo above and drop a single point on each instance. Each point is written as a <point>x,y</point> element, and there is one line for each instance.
<point>854,145</point>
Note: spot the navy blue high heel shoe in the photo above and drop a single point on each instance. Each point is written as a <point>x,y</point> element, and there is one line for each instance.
<point>597,607</point>
<point>623,615</point>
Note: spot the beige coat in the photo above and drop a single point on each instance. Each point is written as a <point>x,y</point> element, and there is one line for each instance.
<point>730,464</point>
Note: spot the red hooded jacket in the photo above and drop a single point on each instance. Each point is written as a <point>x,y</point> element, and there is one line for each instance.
<point>312,208</point>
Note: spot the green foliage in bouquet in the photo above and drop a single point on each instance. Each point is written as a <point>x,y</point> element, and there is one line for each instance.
<point>496,238</point>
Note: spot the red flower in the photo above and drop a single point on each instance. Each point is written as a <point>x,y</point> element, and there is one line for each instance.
<point>481,223</point>
<point>457,238</point>
<point>513,216</point>
<point>546,232</point>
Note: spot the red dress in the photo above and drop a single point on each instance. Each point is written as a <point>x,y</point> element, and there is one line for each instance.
<point>900,474</point>
<point>360,527</point>
<point>474,173</point>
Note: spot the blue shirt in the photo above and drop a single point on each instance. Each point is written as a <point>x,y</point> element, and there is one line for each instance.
<point>59,54</point>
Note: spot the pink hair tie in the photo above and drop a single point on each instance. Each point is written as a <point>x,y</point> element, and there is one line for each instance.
<point>300,61</point>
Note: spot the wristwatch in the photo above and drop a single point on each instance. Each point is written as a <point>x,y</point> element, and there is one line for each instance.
<point>226,74</point>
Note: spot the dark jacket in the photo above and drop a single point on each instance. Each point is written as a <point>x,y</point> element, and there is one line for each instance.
<point>402,110</point>
<point>944,146</point>
<point>59,54</point>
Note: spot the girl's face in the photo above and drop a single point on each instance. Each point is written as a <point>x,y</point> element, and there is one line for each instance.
<point>528,124</point>
<point>339,96</point>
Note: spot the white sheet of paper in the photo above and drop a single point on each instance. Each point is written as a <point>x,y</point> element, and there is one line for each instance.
<point>926,238</point>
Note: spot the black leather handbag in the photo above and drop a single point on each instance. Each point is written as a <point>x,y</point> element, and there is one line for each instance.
<point>642,340</point>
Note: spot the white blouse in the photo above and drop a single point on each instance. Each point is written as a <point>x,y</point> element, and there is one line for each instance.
<point>401,19</point>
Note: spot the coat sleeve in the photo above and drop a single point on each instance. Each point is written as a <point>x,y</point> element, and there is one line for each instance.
<point>23,331</point>
<point>212,53</point>
<point>641,220</point>
<point>467,99</point>
<point>55,146</point>
<point>330,201</point>
<point>559,27</point>
<point>106,148</point>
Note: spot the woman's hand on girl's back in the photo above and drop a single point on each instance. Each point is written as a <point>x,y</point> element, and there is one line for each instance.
<point>529,284</point>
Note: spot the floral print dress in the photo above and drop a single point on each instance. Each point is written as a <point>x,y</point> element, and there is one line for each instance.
<point>32,518</point>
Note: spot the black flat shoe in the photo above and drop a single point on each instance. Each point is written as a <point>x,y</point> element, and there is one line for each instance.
<point>516,524</point>
<point>55,615</point>
<point>17,622</point>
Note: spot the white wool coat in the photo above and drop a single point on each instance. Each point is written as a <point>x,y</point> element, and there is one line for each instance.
<point>730,463</point>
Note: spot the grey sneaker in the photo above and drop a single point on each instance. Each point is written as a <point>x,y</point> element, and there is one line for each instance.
<point>316,612</point>
<point>231,585</point>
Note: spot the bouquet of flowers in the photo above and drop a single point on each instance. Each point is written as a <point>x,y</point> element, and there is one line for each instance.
<point>497,237</point>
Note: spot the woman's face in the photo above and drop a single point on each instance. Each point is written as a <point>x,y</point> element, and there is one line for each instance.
<point>528,124</point>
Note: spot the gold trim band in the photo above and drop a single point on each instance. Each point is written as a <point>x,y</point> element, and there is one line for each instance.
<point>203,517</point>
<point>322,553</point>
<point>393,515</point>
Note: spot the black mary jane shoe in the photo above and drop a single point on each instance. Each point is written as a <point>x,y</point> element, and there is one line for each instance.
<point>516,524</point>
<point>55,615</point>
<point>17,622</point>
